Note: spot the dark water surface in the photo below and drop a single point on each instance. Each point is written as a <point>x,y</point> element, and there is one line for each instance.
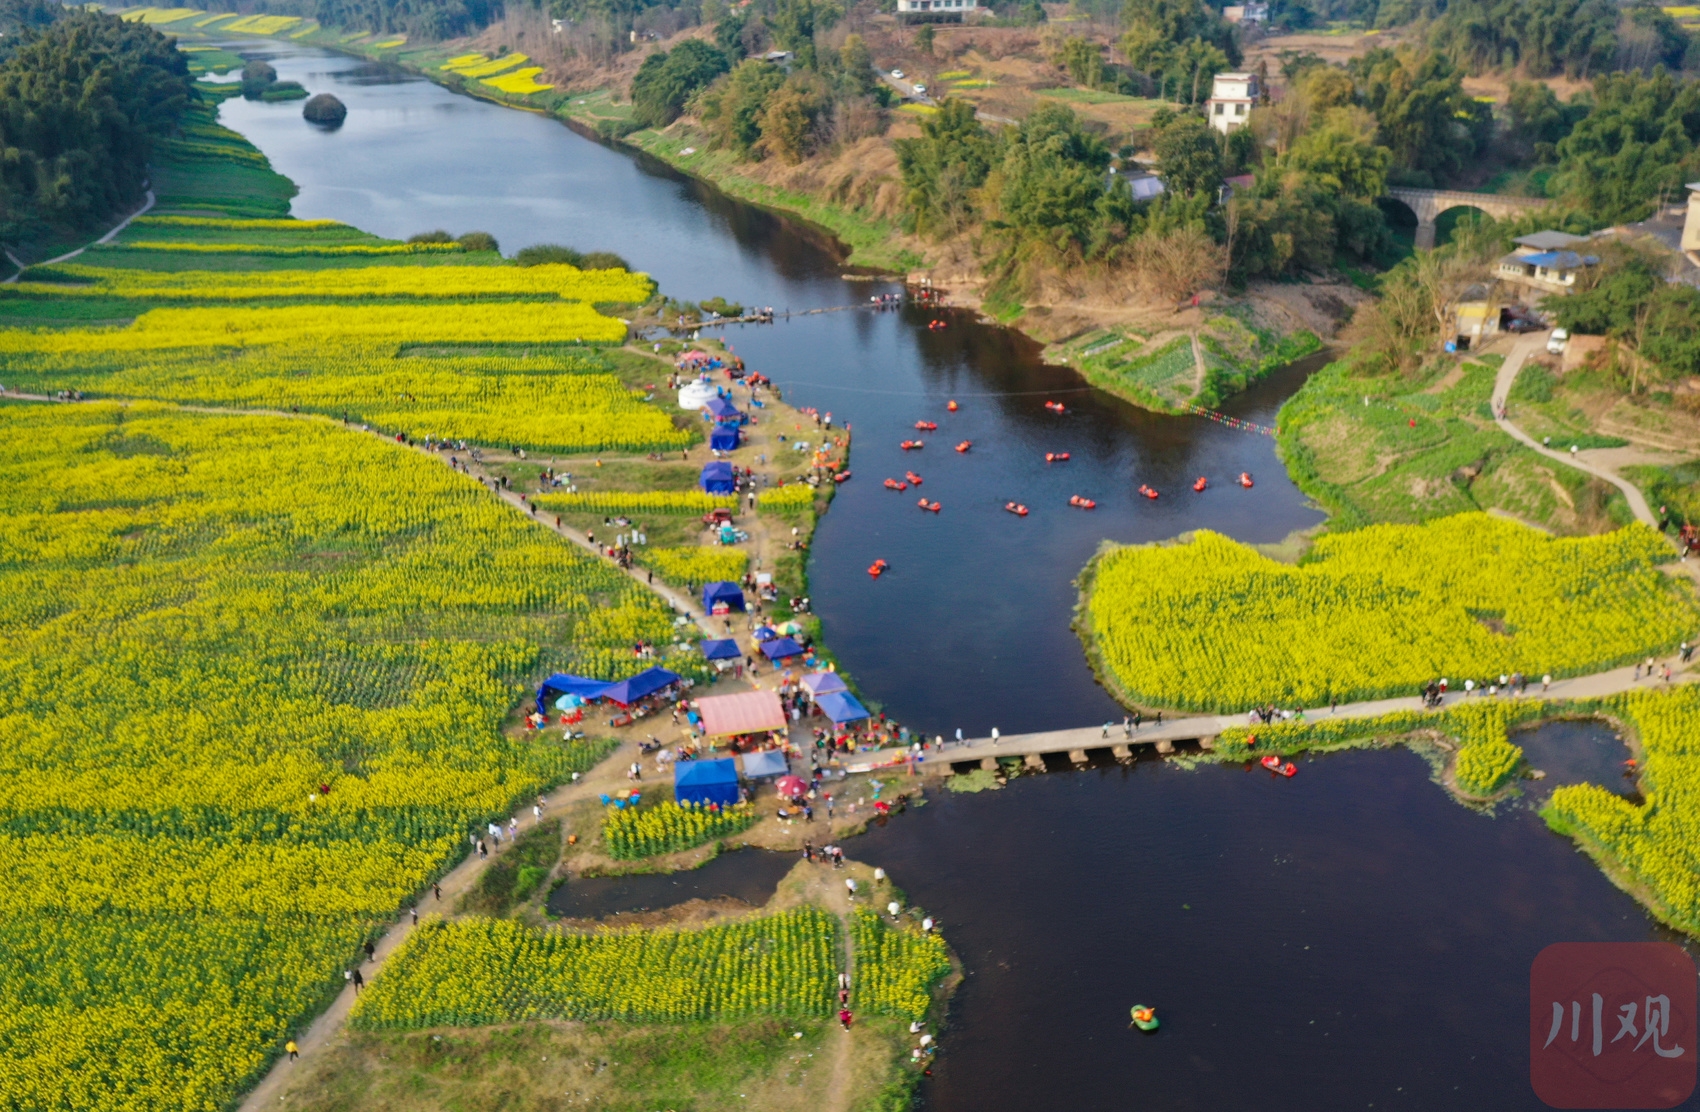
<point>750,875</point>
<point>1070,897</point>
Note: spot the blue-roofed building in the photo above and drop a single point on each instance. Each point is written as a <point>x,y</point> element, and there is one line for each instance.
<point>1546,261</point>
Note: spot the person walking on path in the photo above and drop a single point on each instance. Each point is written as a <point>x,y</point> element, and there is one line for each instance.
<point>846,1017</point>
<point>359,982</point>
<point>294,1051</point>
<point>994,735</point>
<point>437,891</point>
<point>371,950</point>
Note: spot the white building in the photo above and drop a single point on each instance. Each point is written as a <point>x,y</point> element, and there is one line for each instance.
<point>1246,13</point>
<point>1232,96</point>
<point>937,9</point>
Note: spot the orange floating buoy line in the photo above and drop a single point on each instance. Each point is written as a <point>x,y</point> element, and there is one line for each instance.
<point>951,405</point>
<point>1083,503</point>
<point>1147,491</point>
<point>965,445</point>
<point>1016,508</point>
<point>933,326</point>
<point>927,426</point>
<point>914,479</point>
<point>1201,483</point>
<point>910,444</point>
<point>1056,457</point>
<point>1054,407</point>
<point>925,505</point>
<point>841,476</point>
<point>1245,479</point>
<point>893,484</point>
<point>877,567</point>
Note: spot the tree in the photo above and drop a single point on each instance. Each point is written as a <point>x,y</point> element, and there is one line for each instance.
<point>942,168</point>
<point>1542,36</point>
<point>80,105</point>
<point>731,108</point>
<point>1655,322</point>
<point>1635,145</point>
<point>1189,157</point>
<point>789,121</point>
<point>1426,118</point>
<point>1052,185</point>
<point>924,40</point>
<point>793,24</point>
<point>1341,156</point>
<point>1083,60</point>
<point>666,80</point>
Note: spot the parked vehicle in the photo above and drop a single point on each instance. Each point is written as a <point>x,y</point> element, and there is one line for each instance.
<point>1556,342</point>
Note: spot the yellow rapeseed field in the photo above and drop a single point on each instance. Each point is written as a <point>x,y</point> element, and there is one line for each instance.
<point>253,674</point>
<point>1212,625</point>
<point>399,282</point>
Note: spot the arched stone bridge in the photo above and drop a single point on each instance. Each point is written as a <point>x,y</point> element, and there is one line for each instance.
<point>1428,204</point>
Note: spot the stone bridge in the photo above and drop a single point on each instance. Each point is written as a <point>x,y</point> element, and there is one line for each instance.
<point>1428,204</point>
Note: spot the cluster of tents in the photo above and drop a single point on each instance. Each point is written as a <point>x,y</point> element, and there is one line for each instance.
<point>564,691</point>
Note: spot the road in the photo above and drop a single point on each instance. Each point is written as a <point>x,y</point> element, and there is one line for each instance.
<point>1520,351</point>
<point>147,203</point>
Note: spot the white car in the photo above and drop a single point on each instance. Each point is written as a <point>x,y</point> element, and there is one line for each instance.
<point>898,74</point>
<point>1556,341</point>
<point>920,90</point>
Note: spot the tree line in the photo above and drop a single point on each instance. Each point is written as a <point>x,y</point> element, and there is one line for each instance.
<point>81,101</point>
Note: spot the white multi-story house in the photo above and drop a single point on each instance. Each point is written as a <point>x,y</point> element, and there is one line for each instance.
<point>937,9</point>
<point>1232,96</point>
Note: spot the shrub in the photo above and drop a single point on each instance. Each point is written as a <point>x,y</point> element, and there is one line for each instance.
<point>438,236</point>
<point>539,253</point>
<point>479,241</point>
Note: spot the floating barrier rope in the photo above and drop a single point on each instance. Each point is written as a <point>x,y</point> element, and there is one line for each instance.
<point>1231,422</point>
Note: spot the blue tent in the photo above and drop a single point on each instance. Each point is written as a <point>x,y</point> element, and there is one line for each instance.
<point>722,410</point>
<point>646,682</point>
<point>704,782</point>
<point>721,650</point>
<point>715,593</point>
<point>819,683</point>
<point>769,762</point>
<point>841,706</point>
<point>724,438</point>
<point>765,633</point>
<point>563,684</point>
<point>717,478</point>
<point>781,647</point>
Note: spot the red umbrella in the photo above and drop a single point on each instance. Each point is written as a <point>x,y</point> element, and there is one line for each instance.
<point>791,786</point>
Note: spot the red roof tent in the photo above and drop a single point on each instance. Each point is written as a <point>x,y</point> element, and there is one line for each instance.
<point>748,712</point>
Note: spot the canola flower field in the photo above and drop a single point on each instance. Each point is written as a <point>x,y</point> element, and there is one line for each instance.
<point>1211,624</point>
<point>255,670</point>
<point>633,832</point>
<point>479,971</point>
<point>1654,848</point>
<point>896,967</point>
<point>468,283</point>
<point>692,567</point>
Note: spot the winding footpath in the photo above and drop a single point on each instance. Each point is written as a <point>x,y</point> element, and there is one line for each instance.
<point>147,204</point>
<point>1520,352</point>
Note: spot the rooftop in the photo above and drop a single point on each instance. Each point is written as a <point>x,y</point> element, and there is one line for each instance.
<point>1548,240</point>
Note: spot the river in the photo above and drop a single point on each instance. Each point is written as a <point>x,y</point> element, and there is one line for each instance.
<point>1349,938</point>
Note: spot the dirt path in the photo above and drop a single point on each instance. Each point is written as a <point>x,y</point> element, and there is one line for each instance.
<point>69,255</point>
<point>1520,352</point>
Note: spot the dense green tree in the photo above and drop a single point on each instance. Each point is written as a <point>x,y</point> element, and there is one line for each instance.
<point>1544,37</point>
<point>793,117</point>
<point>1427,120</point>
<point>1189,157</point>
<point>80,104</point>
<point>1177,21</point>
<point>1636,145</point>
<point>942,168</point>
<point>732,107</point>
<point>1083,59</point>
<point>1053,190</point>
<point>1658,321</point>
<point>425,19</point>
<point>667,79</point>
<point>1536,119</point>
<point>1341,156</point>
<point>794,23</point>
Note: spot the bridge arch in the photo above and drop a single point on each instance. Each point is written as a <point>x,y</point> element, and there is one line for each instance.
<point>1428,204</point>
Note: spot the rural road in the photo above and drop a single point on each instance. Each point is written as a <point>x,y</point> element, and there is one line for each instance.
<point>1520,352</point>
<point>67,256</point>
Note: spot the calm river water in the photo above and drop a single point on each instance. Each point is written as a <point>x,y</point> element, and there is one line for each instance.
<point>1345,939</point>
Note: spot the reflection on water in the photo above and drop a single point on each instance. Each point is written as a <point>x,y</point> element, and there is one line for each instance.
<point>1575,752</point>
<point>748,874</point>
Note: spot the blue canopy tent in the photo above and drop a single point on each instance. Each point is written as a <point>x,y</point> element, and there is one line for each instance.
<point>713,594</point>
<point>721,650</point>
<point>841,707</point>
<point>717,478</point>
<point>646,682</point>
<point>722,410</point>
<point>705,782</point>
<point>820,683</point>
<point>724,438</point>
<point>781,647</point>
<point>562,683</point>
<point>765,633</point>
<point>769,762</point>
